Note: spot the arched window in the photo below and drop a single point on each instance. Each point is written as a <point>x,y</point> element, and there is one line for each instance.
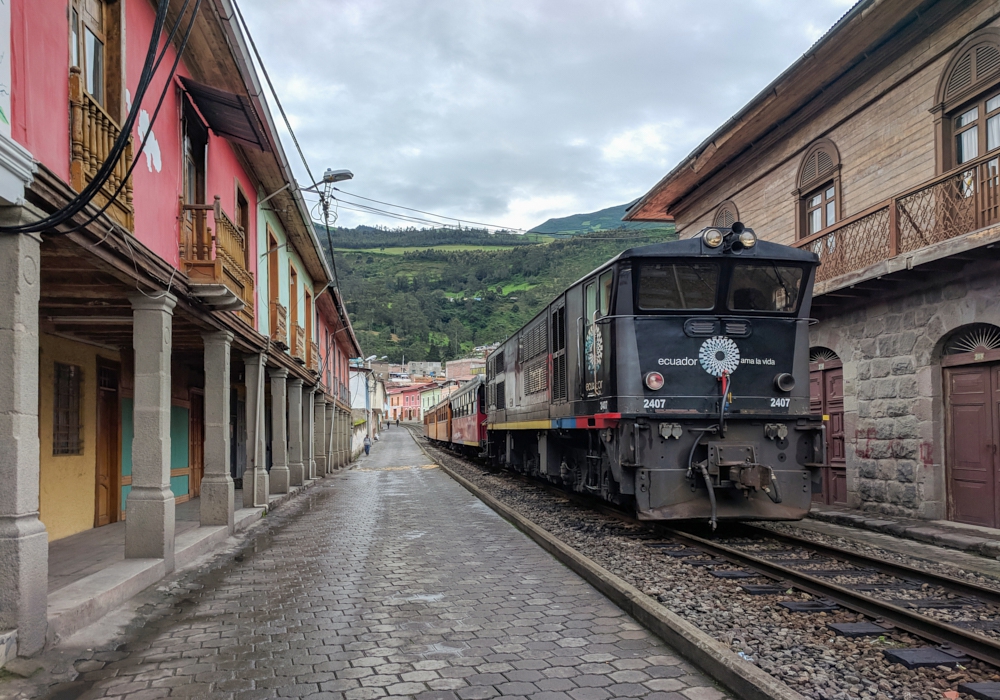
<point>818,190</point>
<point>726,215</point>
<point>967,109</point>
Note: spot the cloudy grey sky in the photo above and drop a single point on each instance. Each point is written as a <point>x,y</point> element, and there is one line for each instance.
<point>513,111</point>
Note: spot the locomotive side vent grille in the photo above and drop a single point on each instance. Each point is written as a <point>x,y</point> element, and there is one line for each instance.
<point>534,342</point>
<point>699,327</point>
<point>559,378</point>
<point>499,396</point>
<point>738,329</point>
<point>536,377</point>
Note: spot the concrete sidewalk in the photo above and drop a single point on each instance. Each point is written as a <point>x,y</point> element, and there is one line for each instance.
<point>89,575</point>
<point>967,538</point>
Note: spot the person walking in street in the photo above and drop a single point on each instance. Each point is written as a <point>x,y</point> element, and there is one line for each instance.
<point>368,444</point>
<point>397,422</point>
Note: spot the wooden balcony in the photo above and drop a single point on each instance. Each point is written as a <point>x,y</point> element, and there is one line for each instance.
<point>314,356</point>
<point>299,343</point>
<point>958,202</point>
<point>219,256</point>
<point>93,133</point>
<point>279,325</point>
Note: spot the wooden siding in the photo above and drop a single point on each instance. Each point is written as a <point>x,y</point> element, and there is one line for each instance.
<point>881,126</point>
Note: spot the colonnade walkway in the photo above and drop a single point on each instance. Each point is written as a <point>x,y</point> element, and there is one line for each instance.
<point>394,581</point>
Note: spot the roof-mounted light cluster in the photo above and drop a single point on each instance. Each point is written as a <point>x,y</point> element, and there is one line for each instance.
<point>732,240</point>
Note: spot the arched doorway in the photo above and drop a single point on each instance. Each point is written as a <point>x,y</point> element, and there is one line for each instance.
<point>971,365</point>
<point>826,398</point>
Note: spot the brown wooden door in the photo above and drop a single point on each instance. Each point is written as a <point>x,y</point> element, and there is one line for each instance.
<point>973,411</point>
<point>196,440</point>
<point>826,398</point>
<point>108,467</point>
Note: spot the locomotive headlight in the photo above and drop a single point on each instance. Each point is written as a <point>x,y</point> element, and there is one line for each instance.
<point>748,239</point>
<point>654,381</point>
<point>784,382</point>
<point>713,238</point>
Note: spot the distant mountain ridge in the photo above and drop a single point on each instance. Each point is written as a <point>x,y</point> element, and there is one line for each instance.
<point>603,220</point>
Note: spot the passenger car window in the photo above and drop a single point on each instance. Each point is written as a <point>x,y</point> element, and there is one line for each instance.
<point>765,288</point>
<point>672,286</point>
<point>605,288</point>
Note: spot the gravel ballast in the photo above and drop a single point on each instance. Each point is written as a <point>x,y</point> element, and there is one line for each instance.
<point>796,648</point>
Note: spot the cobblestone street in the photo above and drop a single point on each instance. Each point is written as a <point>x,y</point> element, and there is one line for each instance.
<point>394,581</point>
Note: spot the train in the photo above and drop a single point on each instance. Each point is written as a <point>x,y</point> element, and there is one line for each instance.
<point>672,380</point>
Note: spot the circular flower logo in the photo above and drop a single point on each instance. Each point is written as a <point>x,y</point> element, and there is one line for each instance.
<point>718,355</point>
<point>594,348</point>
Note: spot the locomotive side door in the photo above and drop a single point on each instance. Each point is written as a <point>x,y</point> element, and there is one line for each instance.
<point>594,340</point>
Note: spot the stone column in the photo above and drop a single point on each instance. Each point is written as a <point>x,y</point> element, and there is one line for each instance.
<point>217,484</point>
<point>333,420</point>
<point>308,433</point>
<point>336,428</point>
<point>279,477</point>
<point>255,479</point>
<point>320,434</point>
<point>149,511</point>
<point>295,461</point>
<point>24,548</point>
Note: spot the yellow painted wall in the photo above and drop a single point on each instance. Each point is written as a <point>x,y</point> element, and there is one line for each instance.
<point>66,482</point>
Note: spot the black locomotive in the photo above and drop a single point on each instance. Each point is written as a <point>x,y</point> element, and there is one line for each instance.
<point>674,377</point>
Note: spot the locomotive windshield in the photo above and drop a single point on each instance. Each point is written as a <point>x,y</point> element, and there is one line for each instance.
<point>674,286</point>
<point>767,287</point>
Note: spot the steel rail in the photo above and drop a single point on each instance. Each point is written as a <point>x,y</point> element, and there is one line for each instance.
<point>976,646</point>
<point>989,595</point>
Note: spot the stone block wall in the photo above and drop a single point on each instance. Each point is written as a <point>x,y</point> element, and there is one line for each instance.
<point>894,420</point>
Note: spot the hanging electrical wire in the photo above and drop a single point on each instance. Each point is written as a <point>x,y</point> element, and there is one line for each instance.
<point>439,216</point>
<point>270,85</point>
<point>77,204</point>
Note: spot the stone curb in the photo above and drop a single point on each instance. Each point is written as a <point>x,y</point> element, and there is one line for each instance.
<point>740,677</point>
<point>921,532</point>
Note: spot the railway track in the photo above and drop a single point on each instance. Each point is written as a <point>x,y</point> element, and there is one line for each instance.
<point>960,619</point>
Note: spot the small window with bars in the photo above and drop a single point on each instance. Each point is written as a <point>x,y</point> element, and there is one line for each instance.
<point>66,427</point>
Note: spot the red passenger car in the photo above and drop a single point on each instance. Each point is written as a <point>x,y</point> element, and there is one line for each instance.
<point>460,420</point>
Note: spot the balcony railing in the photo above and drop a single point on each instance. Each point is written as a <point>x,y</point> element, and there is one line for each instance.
<point>279,325</point>
<point>960,201</point>
<point>93,133</point>
<point>219,257</point>
<point>298,343</point>
<point>314,356</point>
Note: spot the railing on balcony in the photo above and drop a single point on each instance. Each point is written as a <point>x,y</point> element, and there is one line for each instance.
<point>298,343</point>
<point>960,201</point>
<point>93,133</point>
<point>218,257</point>
<point>314,356</point>
<point>279,325</point>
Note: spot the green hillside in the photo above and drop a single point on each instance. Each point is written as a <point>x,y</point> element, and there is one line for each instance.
<point>437,301</point>
<point>603,220</point>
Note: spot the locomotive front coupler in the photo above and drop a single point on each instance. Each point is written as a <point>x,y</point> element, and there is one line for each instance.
<point>736,466</point>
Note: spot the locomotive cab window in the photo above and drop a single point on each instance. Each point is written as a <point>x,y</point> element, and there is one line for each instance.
<point>590,301</point>
<point>605,285</point>
<point>765,288</point>
<point>678,286</point>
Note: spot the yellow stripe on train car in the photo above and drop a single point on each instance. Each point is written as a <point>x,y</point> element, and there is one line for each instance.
<point>521,425</point>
